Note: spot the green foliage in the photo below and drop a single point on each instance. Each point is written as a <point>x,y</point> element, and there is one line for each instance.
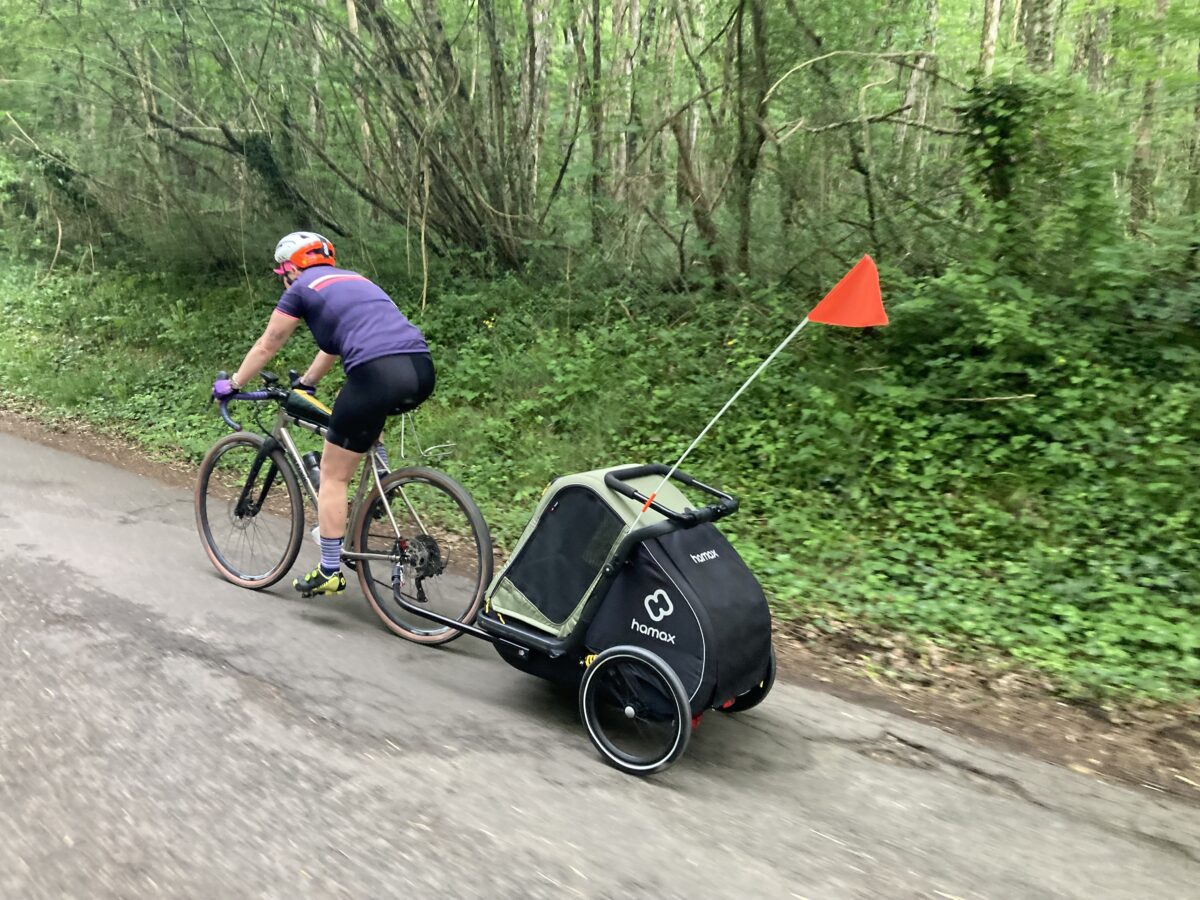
<point>881,483</point>
<point>152,135</point>
<point>1042,154</point>
<point>1007,468</point>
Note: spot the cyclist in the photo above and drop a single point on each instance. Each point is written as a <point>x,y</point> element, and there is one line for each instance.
<point>388,368</point>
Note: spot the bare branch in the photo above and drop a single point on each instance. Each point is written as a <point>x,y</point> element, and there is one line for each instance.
<point>57,248</point>
<point>856,53</point>
<point>671,117</point>
<point>936,129</point>
<point>990,399</point>
<point>233,59</point>
<point>833,126</point>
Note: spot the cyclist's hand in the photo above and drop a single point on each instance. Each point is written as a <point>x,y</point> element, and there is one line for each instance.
<point>298,385</point>
<point>223,389</point>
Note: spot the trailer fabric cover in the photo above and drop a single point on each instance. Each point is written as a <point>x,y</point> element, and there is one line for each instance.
<point>690,598</point>
<point>574,531</point>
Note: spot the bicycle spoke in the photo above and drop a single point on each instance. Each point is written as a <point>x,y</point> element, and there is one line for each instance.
<point>650,731</point>
<point>253,549</point>
<point>428,531</point>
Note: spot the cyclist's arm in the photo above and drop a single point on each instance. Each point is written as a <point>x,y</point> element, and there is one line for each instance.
<point>319,369</point>
<point>279,329</point>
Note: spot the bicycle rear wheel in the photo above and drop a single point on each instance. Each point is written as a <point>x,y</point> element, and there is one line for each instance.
<point>439,553</point>
<point>251,527</point>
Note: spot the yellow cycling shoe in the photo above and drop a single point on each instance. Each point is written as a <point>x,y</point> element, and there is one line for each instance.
<point>317,582</point>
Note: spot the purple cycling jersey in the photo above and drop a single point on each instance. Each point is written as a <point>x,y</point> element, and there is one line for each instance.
<point>350,316</point>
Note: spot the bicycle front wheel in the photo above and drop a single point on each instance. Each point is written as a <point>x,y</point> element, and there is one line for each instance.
<point>437,549</point>
<point>250,518</point>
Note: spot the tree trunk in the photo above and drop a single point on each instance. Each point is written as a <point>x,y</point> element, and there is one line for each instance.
<point>596,117</point>
<point>620,76</point>
<point>665,55</point>
<point>1141,168</point>
<point>1083,37</point>
<point>1098,56</point>
<point>1041,29</point>
<point>920,88</point>
<point>146,97</point>
<point>991,31</point>
<point>531,113</point>
<point>181,62</point>
<point>316,124</point>
<point>753,81</point>
<point>860,159</point>
<point>1191,203</point>
<point>700,204</point>
<point>691,27</point>
<point>916,95</point>
<point>360,102</point>
<point>501,171</point>
<point>1090,46</point>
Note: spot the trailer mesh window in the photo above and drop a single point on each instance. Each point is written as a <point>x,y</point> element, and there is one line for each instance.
<point>566,552</point>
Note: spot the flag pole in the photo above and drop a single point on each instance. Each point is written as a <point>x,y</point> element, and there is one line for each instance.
<point>766,362</point>
<point>854,302</point>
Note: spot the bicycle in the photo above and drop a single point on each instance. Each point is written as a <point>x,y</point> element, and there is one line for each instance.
<point>413,534</point>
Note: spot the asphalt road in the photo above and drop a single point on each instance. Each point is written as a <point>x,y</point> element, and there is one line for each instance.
<point>163,733</point>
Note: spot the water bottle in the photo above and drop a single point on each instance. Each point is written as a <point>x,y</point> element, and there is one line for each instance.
<point>312,462</point>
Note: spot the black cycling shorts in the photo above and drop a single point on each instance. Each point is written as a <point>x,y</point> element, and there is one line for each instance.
<point>377,389</point>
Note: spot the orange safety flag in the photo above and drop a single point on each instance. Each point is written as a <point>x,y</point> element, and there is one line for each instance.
<point>855,301</point>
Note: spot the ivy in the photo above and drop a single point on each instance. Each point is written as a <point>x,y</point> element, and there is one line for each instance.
<point>880,483</point>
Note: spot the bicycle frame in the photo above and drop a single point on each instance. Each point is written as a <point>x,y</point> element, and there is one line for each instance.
<point>279,437</point>
<point>369,480</point>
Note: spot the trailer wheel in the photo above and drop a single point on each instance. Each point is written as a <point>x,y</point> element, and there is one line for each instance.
<point>635,710</point>
<point>756,694</point>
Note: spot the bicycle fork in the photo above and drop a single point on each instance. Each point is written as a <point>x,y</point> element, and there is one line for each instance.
<point>246,506</point>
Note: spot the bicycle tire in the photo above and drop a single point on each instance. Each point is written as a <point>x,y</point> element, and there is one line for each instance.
<point>460,594</point>
<point>222,537</point>
<point>635,710</point>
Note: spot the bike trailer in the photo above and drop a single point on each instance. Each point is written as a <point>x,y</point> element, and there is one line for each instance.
<point>588,574</point>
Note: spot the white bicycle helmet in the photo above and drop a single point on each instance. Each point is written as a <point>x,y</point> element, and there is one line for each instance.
<point>302,249</point>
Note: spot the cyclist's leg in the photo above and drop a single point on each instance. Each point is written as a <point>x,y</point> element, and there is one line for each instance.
<point>408,379</point>
<point>412,381</point>
<point>354,426</point>
<point>373,390</point>
<point>338,466</point>
<point>419,380</point>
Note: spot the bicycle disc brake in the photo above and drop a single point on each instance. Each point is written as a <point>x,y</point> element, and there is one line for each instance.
<point>425,557</point>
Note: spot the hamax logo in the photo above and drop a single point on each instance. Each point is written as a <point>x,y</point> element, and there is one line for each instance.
<point>656,633</point>
<point>659,606</point>
<point>703,557</point>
